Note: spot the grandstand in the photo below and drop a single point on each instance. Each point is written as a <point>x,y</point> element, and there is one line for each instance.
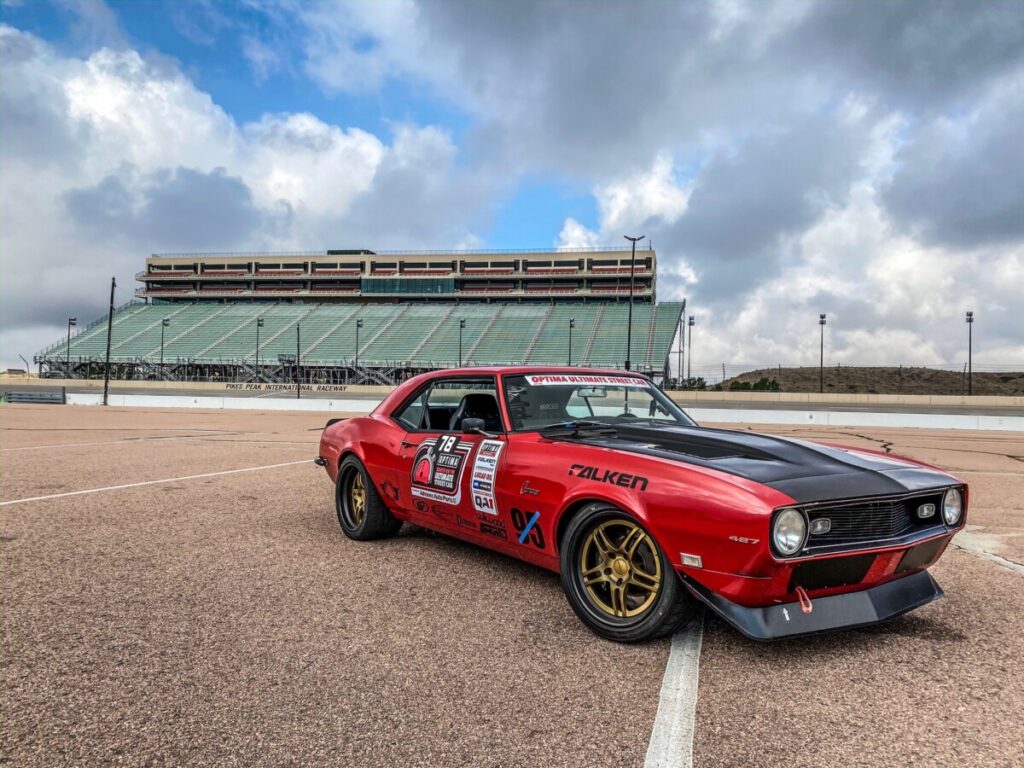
<point>368,339</point>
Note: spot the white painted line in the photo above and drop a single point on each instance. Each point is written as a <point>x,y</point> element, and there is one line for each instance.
<point>153,482</point>
<point>1008,564</point>
<point>672,737</point>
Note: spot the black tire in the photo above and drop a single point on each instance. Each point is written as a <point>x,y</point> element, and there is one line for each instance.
<point>374,520</point>
<point>659,611</point>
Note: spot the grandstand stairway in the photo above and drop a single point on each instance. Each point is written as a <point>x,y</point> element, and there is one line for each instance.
<point>650,338</point>
<point>537,335</point>
<point>476,344</point>
<point>432,331</point>
<point>246,323</point>
<point>384,327</point>
<point>289,324</point>
<point>307,353</point>
<point>188,331</point>
<point>585,360</point>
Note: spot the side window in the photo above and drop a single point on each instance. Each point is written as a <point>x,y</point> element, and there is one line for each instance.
<point>450,399</point>
<point>411,417</point>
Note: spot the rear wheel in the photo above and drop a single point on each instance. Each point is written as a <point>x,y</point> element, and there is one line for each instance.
<point>361,511</point>
<point>617,579</point>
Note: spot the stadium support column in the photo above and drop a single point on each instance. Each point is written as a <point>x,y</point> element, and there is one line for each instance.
<point>629,322</point>
<point>259,324</point>
<point>298,360</point>
<point>572,324</point>
<point>462,327</point>
<point>110,331</point>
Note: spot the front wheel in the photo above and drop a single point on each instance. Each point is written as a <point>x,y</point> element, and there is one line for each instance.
<point>361,511</point>
<point>617,579</point>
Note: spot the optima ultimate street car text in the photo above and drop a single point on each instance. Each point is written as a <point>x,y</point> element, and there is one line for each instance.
<point>598,475</point>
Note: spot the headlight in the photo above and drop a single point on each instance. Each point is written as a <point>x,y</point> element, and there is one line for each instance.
<point>789,532</point>
<point>952,506</point>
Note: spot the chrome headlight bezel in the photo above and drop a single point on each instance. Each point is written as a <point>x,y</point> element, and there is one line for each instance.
<point>953,507</point>
<point>796,523</point>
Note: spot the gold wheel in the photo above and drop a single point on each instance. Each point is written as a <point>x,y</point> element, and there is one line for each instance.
<point>620,568</point>
<point>357,498</point>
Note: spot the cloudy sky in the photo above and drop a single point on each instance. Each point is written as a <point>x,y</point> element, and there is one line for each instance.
<point>785,158</point>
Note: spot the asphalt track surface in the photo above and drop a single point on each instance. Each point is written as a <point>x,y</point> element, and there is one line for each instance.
<point>222,619</point>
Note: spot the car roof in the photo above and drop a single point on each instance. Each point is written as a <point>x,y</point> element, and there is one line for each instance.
<point>507,369</point>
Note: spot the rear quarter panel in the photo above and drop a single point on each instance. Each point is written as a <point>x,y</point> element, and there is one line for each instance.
<point>375,441</point>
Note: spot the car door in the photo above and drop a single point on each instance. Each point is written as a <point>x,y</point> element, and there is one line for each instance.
<point>447,477</point>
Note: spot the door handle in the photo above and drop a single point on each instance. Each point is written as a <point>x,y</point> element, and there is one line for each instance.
<point>407,444</point>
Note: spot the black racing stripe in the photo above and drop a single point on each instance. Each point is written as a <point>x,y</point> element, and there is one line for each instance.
<point>804,471</point>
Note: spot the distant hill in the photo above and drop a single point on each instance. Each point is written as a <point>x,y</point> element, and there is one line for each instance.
<point>870,380</point>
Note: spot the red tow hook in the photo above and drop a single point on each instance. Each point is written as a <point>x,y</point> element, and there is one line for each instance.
<point>805,601</point>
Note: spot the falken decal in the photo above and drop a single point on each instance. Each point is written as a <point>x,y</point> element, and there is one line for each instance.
<point>437,469</point>
<point>622,479</point>
<point>485,470</point>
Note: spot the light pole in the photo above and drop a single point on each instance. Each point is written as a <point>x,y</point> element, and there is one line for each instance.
<point>164,324</point>
<point>689,343</point>
<point>298,359</point>
<point>462,327</point>
<point>821,362</point>
<point>110,333</point>
<point>572,324</point>
<point>629,322</point>
<point>71,321</point>
<point>970,350</point>
<point>359,324</point>
<point>259,324</point>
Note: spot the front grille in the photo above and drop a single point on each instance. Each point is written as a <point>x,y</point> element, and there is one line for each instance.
<point>863,521</point>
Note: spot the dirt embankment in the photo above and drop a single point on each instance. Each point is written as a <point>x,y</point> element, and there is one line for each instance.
<point>897,380</point>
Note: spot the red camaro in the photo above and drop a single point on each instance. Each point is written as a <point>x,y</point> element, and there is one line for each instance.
<point>598,475</point>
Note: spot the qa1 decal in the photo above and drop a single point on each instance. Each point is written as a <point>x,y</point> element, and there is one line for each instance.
<point>437,469</point>
<point>527,530</point>
<point>485,472</point>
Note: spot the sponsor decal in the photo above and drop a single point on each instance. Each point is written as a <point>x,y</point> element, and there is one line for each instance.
<point>528,531</point>
<point>464,523</point>
<point>612,477</point>
<point>495,528</point>
<point>743,540</point>
<point>526,490</point>
<point>437,469</point>
<point>440,511</point>
<point>420,505</point>
<point>563,379</point>
<point>485,470</point>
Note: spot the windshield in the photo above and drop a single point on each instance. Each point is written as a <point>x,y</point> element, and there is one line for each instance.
<point>542,399</point>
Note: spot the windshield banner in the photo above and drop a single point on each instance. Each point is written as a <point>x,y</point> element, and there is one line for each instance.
<point>564,379</point>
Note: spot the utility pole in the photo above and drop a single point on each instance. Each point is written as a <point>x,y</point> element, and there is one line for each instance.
<point>67,363</point>
<point>629,322</point>
<point>970,352</point>
<point>110,331</point>
<point>821,363</point>
<point>259,324</point>
<point>572,324</point>
<point>163,327</point>
<point>359,324</point>
<point>689,344</point>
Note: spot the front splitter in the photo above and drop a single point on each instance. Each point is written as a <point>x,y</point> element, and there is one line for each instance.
<point>828,614</point>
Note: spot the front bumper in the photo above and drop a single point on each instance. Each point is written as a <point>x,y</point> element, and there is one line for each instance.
<point>828,614</point>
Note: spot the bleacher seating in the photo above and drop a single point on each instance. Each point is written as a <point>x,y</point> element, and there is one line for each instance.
<point>413,334</point>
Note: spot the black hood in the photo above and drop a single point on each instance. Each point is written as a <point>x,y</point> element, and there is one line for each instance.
<point>805,471</point>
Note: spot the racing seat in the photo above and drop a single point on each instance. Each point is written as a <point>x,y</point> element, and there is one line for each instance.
<point>477,405</point>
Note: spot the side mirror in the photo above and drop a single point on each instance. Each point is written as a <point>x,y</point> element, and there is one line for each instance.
<point>472,426</point>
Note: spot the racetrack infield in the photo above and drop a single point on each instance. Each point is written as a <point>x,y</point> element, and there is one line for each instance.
<point>225,620</point>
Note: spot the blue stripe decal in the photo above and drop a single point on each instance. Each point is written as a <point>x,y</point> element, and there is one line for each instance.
<point>529,525</point>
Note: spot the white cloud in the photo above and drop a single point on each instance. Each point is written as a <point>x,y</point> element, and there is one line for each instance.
<point>575,235</point>
<point>112,156</point>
